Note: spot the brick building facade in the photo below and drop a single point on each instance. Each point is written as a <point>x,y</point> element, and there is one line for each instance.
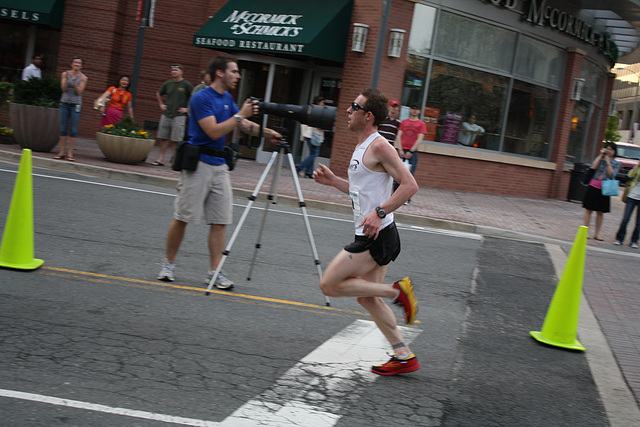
<point>528,152</point>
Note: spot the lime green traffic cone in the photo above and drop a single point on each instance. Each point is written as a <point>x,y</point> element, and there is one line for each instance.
<point>561,324</point>
<point>16,249</point>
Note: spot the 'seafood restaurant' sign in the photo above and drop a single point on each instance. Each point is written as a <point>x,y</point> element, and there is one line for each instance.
<point>247,23</point>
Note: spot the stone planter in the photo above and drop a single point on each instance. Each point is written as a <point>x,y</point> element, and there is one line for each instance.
<point>7,139</point>
<point>36,128</point>
<point>122,149</point>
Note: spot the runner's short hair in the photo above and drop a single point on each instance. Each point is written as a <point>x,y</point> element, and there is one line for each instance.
<point>377,103</point>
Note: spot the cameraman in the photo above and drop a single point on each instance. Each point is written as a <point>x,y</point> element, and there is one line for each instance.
<point>207,190</point>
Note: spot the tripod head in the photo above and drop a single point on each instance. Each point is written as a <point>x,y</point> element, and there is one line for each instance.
<point>282,144</point>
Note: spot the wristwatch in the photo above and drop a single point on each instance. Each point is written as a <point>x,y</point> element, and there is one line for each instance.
<point>381,213</point>
<point>238,118</point>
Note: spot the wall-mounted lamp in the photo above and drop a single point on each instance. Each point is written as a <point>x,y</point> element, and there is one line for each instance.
<point>359,39</point>
<point>613,105</point>
<point>576,90</point>
<point>396,39</point>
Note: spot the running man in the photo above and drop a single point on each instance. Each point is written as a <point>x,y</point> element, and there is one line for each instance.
<point>359,269</point>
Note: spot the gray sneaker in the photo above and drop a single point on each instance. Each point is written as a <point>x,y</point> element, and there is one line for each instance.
<point>222,281</point>
<point>166,273</point>
<point>634,245</point>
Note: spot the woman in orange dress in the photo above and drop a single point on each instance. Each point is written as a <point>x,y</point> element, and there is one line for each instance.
<point>120,99</point>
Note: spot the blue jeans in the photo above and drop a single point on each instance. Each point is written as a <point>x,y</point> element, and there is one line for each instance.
<point>413,161</point>
<point>308,164</point>
<point>68,114</point>
<point>628,210</point>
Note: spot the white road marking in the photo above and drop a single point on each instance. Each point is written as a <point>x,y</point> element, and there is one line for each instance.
<point>300,398</point>
<point>310,394</point>
<point>106,409</point>
<point>451,233</point>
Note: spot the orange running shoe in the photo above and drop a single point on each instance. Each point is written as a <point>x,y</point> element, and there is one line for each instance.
<point>397,366</point>
<point>406,299</point>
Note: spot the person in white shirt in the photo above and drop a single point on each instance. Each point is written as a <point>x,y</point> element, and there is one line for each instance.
<point>468,131</point>
<point>33,70</point>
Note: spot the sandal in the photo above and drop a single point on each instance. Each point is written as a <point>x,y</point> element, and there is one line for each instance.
<point>71,159</point>
<point>157,164</point>
<point>60,157</point>
<point>598,238</point>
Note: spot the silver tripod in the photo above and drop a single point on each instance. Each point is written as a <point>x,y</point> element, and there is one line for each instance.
<point>282,149</point>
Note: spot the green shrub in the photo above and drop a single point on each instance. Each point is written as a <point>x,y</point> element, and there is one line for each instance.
<point>44,92</point>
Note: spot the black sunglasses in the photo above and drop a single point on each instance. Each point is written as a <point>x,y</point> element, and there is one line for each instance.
<point>355,107</point>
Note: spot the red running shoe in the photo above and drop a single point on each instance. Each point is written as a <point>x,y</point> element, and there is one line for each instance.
<point>406,299</point>
<point>397,366</point>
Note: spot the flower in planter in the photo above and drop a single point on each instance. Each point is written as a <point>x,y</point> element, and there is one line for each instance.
<point>6,135</point>
<point>5,131</point>
<point>127,127</point>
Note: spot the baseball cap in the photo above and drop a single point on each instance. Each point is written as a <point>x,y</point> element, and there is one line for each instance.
<point>415,106</point>
<point>394,102</point>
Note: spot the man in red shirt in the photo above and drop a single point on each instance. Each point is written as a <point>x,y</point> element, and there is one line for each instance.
<point>410,135</point>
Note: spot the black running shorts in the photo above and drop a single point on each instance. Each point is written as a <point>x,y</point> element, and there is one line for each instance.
<point>384,249</point>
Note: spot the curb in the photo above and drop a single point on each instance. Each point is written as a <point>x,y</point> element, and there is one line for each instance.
<point>345,209</point>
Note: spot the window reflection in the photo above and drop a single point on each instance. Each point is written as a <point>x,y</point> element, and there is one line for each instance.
<point>415,77</point>
<point>474,42</point>
<point>529,121</point>
<point>422,29</point>
<point>578,135</point>
<point>458,93</point>
<point>539,61</point>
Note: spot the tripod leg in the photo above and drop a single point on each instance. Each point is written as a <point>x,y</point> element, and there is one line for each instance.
<point>272,199</point>
<point>252,199</point>
<point>303,208</point>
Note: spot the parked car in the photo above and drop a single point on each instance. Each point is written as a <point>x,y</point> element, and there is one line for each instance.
<point>628,155</point>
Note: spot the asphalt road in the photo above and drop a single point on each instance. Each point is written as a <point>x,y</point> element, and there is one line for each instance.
<point>91,338</point>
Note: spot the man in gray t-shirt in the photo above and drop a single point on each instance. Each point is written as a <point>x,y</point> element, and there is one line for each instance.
<point>173,100</point>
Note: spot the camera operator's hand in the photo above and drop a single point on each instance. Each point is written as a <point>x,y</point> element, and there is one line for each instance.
<point>249,108</point>
<point>272,135</point>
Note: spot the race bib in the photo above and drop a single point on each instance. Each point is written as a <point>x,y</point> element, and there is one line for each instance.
<point>355,202</point>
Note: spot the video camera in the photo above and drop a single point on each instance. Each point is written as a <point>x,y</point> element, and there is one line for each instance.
<point>317,116</point>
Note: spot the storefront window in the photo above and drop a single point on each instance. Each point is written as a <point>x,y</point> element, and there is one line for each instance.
<point>474,42</point>
<point>578,135</point>
<point>415,78</point>
<point>422,29</point>
<point>15,43</point>
<point>539,61</point>
<point>530,119</point>
<point>458,93</point>
<point>593,81</point>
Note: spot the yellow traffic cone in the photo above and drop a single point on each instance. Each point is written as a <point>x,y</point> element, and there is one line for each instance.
<point>561,324</point>
<point>16,249</point>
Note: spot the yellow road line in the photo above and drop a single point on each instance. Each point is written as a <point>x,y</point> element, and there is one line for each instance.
<point>196,289</point>
<point>168,285</point>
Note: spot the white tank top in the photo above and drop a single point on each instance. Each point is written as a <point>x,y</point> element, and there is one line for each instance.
<point>368,189</point>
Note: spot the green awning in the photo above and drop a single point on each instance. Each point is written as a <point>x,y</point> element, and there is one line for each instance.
<point>316,29</point>
<point>48,12</point>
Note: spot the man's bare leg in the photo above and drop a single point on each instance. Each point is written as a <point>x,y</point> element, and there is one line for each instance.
<point>163,147</point>
<point>358,275</point>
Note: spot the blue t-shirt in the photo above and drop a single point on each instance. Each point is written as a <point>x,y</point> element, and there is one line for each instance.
<point>205,103</point>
